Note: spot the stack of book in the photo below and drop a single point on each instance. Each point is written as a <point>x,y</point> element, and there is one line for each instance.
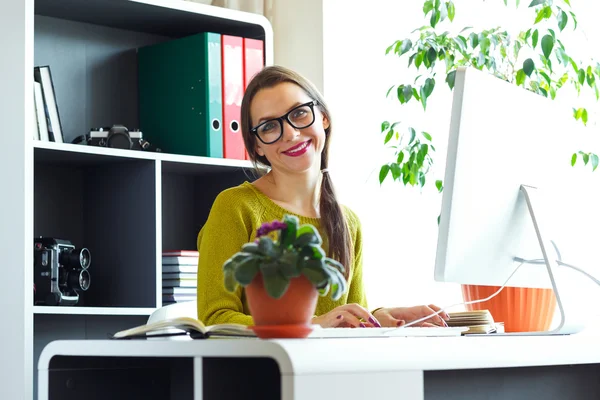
<point>179,271</point>
<point>478,322</point>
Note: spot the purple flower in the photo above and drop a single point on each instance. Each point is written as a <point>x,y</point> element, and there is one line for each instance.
<point>269,227</point>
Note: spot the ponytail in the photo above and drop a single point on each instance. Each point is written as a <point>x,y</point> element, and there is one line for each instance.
<point>335,226</point>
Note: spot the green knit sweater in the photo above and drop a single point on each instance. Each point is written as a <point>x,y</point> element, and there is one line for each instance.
<point>234,218</point>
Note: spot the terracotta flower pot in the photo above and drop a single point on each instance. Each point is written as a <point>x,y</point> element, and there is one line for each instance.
<point>521,309</point>
<point>289,316</point>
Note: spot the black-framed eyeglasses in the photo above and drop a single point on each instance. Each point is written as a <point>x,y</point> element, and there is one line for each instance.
<point>299,117</point>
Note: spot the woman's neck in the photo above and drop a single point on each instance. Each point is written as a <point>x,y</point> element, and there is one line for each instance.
<point>298,193</point>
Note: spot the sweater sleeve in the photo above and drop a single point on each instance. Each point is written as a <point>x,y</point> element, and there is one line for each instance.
<point>227,228</point>
<point>356,290</point>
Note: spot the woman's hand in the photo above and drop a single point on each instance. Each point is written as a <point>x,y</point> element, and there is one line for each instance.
<point>399,316</point>
<point>348,315</point>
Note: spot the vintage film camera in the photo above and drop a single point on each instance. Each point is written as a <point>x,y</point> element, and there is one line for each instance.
<point>60,272</point>
<point>116,137</point>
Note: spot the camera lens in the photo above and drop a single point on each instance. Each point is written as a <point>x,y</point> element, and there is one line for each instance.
<point>79,279</point>
<point>76,258</point>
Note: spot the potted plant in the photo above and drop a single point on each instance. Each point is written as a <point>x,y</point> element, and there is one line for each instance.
<point>283,272</point>
<point>535,59</point>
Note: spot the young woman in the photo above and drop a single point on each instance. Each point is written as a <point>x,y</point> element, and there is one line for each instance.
<point>286,125</point>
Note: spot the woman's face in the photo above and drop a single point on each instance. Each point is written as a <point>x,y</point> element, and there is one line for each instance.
<point>298,149</point>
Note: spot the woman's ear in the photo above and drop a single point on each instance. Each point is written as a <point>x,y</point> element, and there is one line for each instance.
<point>325,122</point>
<point>259,151</point>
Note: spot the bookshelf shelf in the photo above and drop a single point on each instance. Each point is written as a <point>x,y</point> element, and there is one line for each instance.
<point>126,206</point>
<point>53,153</point>
<point>93,310</point>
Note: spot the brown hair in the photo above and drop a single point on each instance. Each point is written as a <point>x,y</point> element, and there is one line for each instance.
<point>332,218</point>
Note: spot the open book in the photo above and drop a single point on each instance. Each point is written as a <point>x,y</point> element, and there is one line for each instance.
<point>478,322</point>
<point>184,326</point>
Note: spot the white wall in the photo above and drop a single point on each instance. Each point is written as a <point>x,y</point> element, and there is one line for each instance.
<point>400,228</point>
<point>298,37</point>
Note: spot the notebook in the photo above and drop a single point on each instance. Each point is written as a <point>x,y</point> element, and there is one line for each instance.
<point>476,322</point>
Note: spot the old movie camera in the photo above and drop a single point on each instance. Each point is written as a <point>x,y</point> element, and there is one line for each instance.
<point>60,272</point>
<point>116,137</point>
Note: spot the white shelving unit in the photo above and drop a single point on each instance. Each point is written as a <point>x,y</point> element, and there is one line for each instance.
<point>125,206</point>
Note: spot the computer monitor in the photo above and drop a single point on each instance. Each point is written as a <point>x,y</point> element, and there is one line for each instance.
<point>508,161</point>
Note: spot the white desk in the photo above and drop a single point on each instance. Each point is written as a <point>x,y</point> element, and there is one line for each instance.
<point>564,367</point>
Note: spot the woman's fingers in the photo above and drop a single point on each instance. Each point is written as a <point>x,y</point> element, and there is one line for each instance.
<point>443,314</point>
<point>348,319</point>
<point>361,312</point>
<point>437,319</point>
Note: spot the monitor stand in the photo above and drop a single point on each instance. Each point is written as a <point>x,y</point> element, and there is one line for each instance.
<point>568,323</point>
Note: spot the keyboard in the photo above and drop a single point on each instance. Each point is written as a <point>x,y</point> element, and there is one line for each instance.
<point>319,332</point>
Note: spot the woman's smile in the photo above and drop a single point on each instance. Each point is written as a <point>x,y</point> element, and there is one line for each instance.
<point>299,149</point>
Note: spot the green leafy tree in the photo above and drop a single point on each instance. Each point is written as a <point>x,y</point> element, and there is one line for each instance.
<point>435,55</point>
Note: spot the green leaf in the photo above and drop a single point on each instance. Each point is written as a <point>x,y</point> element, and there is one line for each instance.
<point>288,235</point>
<point>396,171</point>
<point>586,158</point>
<point>246,271</point>
<point>574,20</point>
<point>450,79</point>
<point>594,162</point>
<point>474,39</point>
<point>428,87</point>
<point>427,6</point>
<point>562,56</point>
<point>528,67</point>
<point>421,179</point>
<point>521,77</point>
<point>590,77</point>
<point>539,17</point>
<point>536,3</point>
<point>413,135</point>
<point>251,248</point>
<point>439,185</point>
<point>584,116</point>
<point>266,246</point>
<point>581,76</point>
<point>385,125</point>
<point>416,94</point>
<point>307,238</point>
<point>546,77</point>
<point>534,38</point>
<point>400,94</point>
<point>562,20</point>
<point>573,159</point>
<point>315,272</point>
<point>406,46</point>
<point>427,136</point>
<point>547,45</point>
<point>568,2</point>
<point>451,11</point>
<point>389,136</point>
<point>431,55</point>
<point>435,18</point>
<point>400,157</point>
<point>407,92</point>
<point>383,173</point>
<point>308,228</point>
<point>289,265</point>
<point>419,59</point>
<point>275,283</point>
<point>390,47</point>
